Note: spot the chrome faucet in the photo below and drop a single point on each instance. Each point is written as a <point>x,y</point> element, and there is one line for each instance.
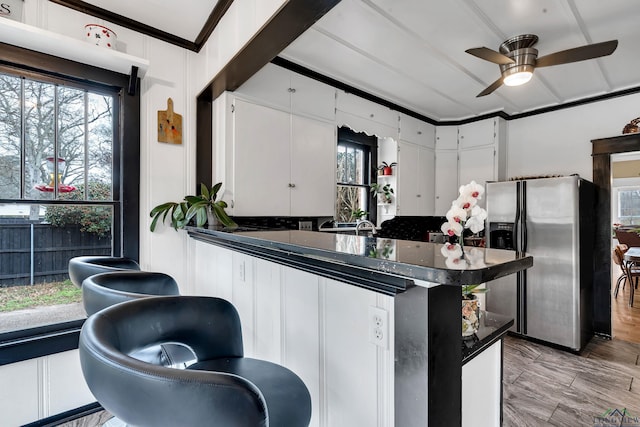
<point>367,222</point>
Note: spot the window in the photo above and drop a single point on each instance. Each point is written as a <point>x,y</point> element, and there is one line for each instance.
<point>629,206</point>
<point>63,170</point>
<point>356,154</point>
<point>56,145</point>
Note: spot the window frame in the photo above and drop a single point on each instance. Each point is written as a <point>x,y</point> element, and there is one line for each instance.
<point>626,189</point>
<point>350,138</point>
<point>41,341</point>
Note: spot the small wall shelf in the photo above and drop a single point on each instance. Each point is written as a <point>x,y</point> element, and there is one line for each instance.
<point>39,40</point>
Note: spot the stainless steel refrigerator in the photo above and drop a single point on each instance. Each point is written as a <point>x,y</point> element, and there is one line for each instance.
<point>551,219</point>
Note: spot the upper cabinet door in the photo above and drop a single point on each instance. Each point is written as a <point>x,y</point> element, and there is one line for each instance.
<point>477,134</point>
<point>447,137</point>
<point>417,132</point>
<point>408,176</point>
<point>361,107</point>
<point>269,86</point>
<point>261,166</point>
<point>446,182</point>
<point>312,98</point>
<point>426,181</point>
<point>313,167</point>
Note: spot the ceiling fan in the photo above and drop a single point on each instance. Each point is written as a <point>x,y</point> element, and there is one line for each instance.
<point>517,58</point>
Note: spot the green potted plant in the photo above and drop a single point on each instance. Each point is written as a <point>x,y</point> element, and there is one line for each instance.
<point>386,169</point>
<point>358,214</point>
<point>385,192</point>
<point>204,207</point>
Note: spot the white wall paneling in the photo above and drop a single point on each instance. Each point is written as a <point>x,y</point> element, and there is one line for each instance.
<point>66,388</point>
<point>559,142</point>
<point>21,400</point>
<point>302,334</point>
<point>482,388</point>
<point>300,320</point>
<point>41,387</point>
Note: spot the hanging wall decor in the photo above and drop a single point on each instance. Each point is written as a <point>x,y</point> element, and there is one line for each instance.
<point>169,125</point>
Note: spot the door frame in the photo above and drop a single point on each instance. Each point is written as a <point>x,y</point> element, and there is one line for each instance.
<point>602,149</point>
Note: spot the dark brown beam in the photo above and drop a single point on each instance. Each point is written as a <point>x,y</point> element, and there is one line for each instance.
<point>214,18</point>
<point>295,17</point>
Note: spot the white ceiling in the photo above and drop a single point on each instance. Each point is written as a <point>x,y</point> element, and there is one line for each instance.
<point>184,19</point>
<point>412,52</point>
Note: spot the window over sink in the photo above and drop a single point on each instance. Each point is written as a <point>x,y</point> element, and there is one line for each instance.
<point>356,160</point>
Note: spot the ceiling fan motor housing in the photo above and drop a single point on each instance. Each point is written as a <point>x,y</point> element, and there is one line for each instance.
<point>520,49</point>
<point>525,61</point>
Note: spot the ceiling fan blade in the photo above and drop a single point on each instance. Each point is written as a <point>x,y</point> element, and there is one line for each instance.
<point>490,55</point>
<point>576,54</point>
<point>493,86</point>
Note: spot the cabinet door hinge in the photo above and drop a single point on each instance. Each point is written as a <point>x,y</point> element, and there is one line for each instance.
<point>233,108</point>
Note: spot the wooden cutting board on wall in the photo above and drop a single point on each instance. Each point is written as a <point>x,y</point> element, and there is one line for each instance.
<point>169,125</point>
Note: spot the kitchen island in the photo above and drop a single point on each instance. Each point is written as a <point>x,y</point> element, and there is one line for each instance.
<point>371,325</point>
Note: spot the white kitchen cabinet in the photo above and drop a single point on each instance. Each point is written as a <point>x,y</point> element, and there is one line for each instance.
<point>261,160</point>
<point>283,89</point>
<point>417,132</point>
<point>416,189</point>
<point>482,154</point>
<point>477,164</point>
<point>365,116</point>
<point>313,167</point>
<point>446,137</point>
<point>446,182</point>
<point>476,134</point>
<point>282,164</point>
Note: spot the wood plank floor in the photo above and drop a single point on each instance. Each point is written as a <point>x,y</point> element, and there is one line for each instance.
<point>625,320</point>
<point>549,387</point>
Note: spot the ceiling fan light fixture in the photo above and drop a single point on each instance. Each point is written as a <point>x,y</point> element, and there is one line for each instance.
<point>517,77</point>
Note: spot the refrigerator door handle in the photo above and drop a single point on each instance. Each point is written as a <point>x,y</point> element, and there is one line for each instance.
<point>516,223</point>
<point>523,215</point>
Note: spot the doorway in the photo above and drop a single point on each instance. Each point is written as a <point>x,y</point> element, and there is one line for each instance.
<point>625,215</point>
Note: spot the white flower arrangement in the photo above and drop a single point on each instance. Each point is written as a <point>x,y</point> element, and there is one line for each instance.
<point>465,212</point>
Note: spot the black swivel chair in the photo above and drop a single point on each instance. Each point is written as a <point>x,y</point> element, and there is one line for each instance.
<point>84,266</point>
<point>222,388</point>
<point>106,289</point>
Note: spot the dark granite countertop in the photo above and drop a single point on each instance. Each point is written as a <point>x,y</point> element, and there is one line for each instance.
<point>385,265</point>
<point>493,326</point>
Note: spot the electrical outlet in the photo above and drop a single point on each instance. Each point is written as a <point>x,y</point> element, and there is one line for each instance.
<point>378,326</point>
<point>305,225</point>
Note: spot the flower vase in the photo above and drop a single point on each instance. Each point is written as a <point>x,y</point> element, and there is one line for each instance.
<point>212,220</point>
<point>470,316</point>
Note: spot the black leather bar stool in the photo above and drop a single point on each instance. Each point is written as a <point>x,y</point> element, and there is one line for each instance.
<point>106,289</point>
<point>223,388</point>
<point>84,266</point>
